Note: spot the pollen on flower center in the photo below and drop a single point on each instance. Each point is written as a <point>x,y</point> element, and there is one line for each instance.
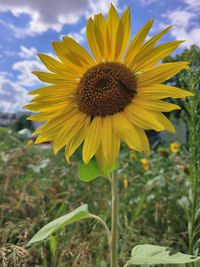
<point>106,89</point>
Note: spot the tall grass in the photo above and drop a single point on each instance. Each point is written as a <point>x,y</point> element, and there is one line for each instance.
<point>191,116</point>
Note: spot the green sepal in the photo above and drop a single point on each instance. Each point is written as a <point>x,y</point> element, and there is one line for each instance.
<point>92,170</point>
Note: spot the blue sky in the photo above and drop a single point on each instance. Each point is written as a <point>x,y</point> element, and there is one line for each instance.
<point>28,27</point>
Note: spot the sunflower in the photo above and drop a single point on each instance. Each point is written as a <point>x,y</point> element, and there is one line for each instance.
<point>109,97</point>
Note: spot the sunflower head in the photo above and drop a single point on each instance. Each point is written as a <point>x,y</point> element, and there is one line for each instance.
<point>110,94</point>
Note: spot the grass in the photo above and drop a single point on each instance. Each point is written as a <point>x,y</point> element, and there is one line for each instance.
<point>37,187</point>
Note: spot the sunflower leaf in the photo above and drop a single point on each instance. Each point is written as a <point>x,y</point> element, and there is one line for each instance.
<point>155,255</point>
<point>90,171</point>
<point>52,227</point>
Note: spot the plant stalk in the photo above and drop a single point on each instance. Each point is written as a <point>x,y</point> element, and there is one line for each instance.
<point>115,218</point>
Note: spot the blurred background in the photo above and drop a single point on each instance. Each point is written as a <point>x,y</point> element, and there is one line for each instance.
<point>37,187</point>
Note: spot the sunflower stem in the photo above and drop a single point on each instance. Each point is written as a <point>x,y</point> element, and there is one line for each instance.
<point>115,218</point>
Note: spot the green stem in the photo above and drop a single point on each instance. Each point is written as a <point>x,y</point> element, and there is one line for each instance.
<point>104,225</point>
<point>115,215</point>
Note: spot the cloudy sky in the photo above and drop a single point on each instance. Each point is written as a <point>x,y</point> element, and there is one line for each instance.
<point>28,27</point>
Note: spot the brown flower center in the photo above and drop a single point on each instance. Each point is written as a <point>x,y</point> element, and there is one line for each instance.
<point>105,89</point>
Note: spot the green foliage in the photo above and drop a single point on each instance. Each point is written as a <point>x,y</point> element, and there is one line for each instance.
<point>191,55</point>
<point>21,123</point>
<point>36,187</point>
<point>156,255</point>
<point>190,80</point>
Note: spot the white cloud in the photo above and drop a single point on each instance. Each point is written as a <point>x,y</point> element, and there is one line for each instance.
<point>24,69</point>
<point>27,52</point>
<point>45,14</point>
<point>12,96</point>
<point>193,3</point>
<point>79,37</point>
<point>185,22</point>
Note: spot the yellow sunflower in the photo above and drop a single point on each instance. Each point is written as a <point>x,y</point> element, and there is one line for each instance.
<point>110,96</point>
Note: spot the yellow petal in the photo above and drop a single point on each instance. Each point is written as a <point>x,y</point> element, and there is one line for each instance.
<point>142,118</point>
<point>92,42</point>
<point>155,55</point>
<point>44,116</point>
<point>110,142</point>
<point>112,26</point>
<point>136,43</point>
<point>144,140</point>
<point>126,131</point>
<point>53,90</point>
<point>159,91</point>
<point>156,105</point>
<point>76,141</point>
<point>83,55</point>
<point>147,47</point>
<point>57,121</point>
<point>52,64</point>
<point>160,73</point>
<point>92,139</point>
<point>69,57</point>
<point>41,107</point>
<point>100,158</point>
<point>164,121</point>
<point>70,128</point>
<point>99,27</point>
<point>53,78</point>
<point>122,35</point>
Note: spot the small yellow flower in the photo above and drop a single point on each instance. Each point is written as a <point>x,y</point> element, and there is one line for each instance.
<point>125,182</point>
<point>174,147</point>
<point>132,155</point>
<point>145,164</point>
<point>29,143</point>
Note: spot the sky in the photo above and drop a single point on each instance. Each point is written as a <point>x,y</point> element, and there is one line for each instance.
<point>29,27</point>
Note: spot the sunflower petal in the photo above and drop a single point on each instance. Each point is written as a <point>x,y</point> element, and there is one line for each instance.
<point>142,118</point>
<point>126,131</point>
<point>159,91</point>
<point>52,64</point>
<point>53,78</point>
<point>57,121</point>
<point>82,53</point>
<point>39,117</point>
<point>122,35</point>
<point>110,142</point>
<point>53,89</point>
<point>92,42</point>
<point>144,140</point>
<point>100,36</point>
<point>92,139</point>
<point>164,121</point>
<point>155,55</point>
<point>68,57</point>
<point>161,73</point>
<point>69,130</point>
<point>147,47</point>
<point>156,105</point>
<point>112,26</point>
<point>76,141</point>
<point>137,42</point>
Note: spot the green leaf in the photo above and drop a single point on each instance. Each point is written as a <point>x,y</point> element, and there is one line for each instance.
<point>54,226</point>
<point>153,255</point>
<point>90,171</point>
